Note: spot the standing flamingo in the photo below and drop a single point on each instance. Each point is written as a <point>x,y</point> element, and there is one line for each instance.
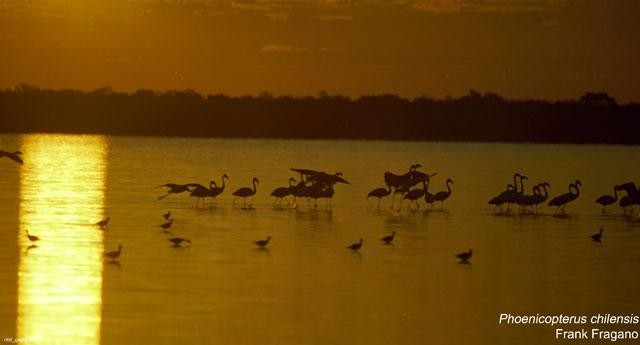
<point>379,193</point>
<point>282,192</point>
<point>443,195</point>
<point>201,192</point>
<point>246,192</point>
<point>606,200</point>
<point>215,191</point>
<point>414,194</point>
<point>561,201</point>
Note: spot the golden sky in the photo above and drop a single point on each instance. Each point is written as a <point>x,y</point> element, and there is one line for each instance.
<point>551,49</point>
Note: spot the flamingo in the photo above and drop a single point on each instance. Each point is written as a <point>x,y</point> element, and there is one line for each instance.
<point>509,195</point>
<point>320,190</point>
<point>388,239</point>
<point>263,243</point>
<point>32,238</point>
<point>282,192</point>
<point>15,156</point>
<point>443,195</point>
<point>175,188</point>
<point>429,198</point>
<point>379,193</point>
<point>562,200</point>
<point>114,254</point>
<point>202,192</point>
<point>356,246</point>
<point>177,241</point>
<point>214,192</point>
<point>597,237</point>
<point>246,192</point>
<point>415,194</point>
<point>539,199</point>
<point>608,199</point>
<point>103,223</point>
<point>465,256</point>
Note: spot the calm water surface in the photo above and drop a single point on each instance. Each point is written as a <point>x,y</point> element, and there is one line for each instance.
<point>307,288</point>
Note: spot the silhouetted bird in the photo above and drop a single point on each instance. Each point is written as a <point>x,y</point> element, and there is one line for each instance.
<point>415,194</point>
<point>465,256</point>
<point>167,215</point>
<point>175,188</point>
<point>166,226</point>
<point>379,193</point>
<point>201,192</point>
<point>177,241</point>
<point>444,195</point>
<point>15,156</point>
<point>389,239</point>
<point>356,246</point>
<point>562,200</point>
<point>509,195</point>
<point>282,192</point>
<point>32,238</point>
<point>246,192</point>
<point>606,200</point>
<point>103,223</point>
<point>597,237</point>
<point>214,192</point>
<point>114,254</point>
<point>263,243</point>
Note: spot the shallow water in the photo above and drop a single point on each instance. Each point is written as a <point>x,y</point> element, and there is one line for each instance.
<point>307,288</point>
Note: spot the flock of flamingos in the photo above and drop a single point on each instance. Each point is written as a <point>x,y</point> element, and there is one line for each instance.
<point>409,187</point>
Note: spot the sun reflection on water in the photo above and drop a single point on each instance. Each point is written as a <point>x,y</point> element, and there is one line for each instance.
<point>60,279</point>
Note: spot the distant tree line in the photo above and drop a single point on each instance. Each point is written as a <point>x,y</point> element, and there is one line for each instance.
<point>594,118</point>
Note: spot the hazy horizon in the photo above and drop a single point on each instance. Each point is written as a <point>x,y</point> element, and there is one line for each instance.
<point>548,50</point>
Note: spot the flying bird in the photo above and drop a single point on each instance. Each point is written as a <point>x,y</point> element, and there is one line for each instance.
<point>465,256</point>
<point>388,239</point>
<point>15,156</point>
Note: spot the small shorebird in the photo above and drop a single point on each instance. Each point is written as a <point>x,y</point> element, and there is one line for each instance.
<point>356,246</point>
<point>597,237</point>
<point>465,256</point>
<point>263,243</point>
<point>32,238</point>
<point>103,223</point>
<point>177,241</point>
<point>114,254</point>
<point>166,226</point>
<point>167,215</point>
<point>388,239</point>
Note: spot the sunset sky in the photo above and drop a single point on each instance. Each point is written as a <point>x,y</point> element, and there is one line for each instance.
<point>552,49</point>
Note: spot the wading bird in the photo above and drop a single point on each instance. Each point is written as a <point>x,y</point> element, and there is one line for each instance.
<point>166,226</point>
<point>246,192</point>
<point>15,156</point>
<point>114,254</point>
<point>561,201</point>
<point>218,190</point>
<point>167,215</point>
<point>356,246</point>
<point>263,243</point>
<point>103,223</point>
<point>606,200</point>
<point>465,256</point>
<point>177,241</point>
<point>283,192</point>
<point>413,196</point>
<point>32,238</point>
<point>201,192</point>
<point>388,239</point>
<point>379,193</point>
<point>175,188</point>
<point>443,195</point>
<point>509,195</point>
<point>597,237</point>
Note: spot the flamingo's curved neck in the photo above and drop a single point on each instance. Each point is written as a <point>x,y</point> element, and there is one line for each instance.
<point>449,186</point>
<point>521,185</point>
<point>254,185</point>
